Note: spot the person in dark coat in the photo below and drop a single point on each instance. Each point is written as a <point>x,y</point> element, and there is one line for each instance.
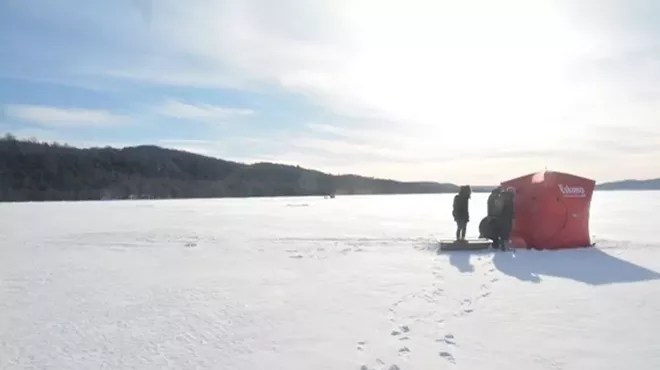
<point>506,218</point>
<point>485,228</point>
<point>488,225</point>
<point>461,211</point>
<point>494,206</point>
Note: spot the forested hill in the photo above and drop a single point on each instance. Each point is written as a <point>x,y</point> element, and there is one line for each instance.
<point>34,171</point>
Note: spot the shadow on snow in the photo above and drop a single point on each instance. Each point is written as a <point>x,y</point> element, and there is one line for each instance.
<point>461,260</point>
<point>589,265</point>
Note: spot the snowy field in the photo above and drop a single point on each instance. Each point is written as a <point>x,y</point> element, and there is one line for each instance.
<point>312,283</point>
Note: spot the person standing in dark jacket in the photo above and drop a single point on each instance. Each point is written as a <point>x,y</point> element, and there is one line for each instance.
<point>488,226</point>
<point>461,211</point>
<point>494,207</point>
<point>506,218</point>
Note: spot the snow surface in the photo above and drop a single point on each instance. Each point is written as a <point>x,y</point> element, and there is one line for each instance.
<point>310,283</point>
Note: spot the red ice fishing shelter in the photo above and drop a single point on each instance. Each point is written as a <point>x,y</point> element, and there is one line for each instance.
<point>552,210</point>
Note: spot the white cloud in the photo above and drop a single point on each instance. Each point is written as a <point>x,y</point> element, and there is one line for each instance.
<point>427,88</point>
<point>444,66</point>
<point>177,75</point>
<point>183,110</point>
<point>65,117</point>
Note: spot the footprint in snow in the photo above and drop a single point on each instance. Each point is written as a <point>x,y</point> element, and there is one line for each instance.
<point>403,329</point>
<point>393,367</point>
<point>380,364</point>
<point>448,356</point>
<point>448,339</point>
<point>466,304</point>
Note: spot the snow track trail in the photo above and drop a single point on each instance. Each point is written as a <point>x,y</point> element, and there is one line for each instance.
<point>422,320</point>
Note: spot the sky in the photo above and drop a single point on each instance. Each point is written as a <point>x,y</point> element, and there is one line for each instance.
<point>462,91</point>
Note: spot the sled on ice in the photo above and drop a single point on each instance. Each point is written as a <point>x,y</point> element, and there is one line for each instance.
<point>465,245</point>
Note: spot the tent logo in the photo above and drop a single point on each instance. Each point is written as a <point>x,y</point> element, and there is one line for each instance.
<point>572,191</point>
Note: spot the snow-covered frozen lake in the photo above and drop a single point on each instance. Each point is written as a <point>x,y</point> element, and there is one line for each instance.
<point>311,283</point>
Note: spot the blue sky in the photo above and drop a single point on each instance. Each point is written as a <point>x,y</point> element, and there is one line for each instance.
<point>461,91</point>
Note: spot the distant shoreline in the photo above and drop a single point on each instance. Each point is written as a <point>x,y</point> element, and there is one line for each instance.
<point>278,196</point>
<point>40,171</point>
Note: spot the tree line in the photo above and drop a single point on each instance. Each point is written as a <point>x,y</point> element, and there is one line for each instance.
<point>38,171</point>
